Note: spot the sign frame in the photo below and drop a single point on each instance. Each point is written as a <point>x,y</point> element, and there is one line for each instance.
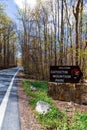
<point>65,74</point>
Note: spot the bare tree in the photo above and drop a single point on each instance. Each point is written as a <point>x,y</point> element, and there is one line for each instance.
<point>76,11</point>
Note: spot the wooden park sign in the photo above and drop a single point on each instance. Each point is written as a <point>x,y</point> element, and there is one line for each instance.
<point>65,74</point>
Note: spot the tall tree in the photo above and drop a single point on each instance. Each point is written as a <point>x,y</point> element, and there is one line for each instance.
<point>62,33</point>
<point>76,11</point>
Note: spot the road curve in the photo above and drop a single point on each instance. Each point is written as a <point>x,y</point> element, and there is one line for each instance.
<point>9,110</point>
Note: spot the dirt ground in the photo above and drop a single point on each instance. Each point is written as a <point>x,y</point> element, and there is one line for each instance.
<point>28,121</point>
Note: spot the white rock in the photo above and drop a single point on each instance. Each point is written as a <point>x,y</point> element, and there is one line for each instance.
<point>32,88</point>
<point>42,107</point>
<point>70,103</point>
<point>86,80</point>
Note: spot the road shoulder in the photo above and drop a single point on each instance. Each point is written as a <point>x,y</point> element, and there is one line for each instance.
<point>28,121</point>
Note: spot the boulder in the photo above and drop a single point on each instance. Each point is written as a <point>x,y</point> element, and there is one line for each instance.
<point>42,107</point>
<point>85,80</point>
<point>32,88</point>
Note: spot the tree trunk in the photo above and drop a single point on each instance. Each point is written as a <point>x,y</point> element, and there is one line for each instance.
<point>62,35</point>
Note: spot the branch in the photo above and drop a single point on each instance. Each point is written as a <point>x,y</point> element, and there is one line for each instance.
<point>74,11</point>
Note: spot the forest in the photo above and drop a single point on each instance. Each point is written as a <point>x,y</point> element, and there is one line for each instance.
<point>54,32</point>
<point>8,38</point>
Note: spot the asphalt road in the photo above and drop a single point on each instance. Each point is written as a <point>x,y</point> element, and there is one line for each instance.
<point>9,110</point>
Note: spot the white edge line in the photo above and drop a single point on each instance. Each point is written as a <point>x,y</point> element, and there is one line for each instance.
<point>5,101</point>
